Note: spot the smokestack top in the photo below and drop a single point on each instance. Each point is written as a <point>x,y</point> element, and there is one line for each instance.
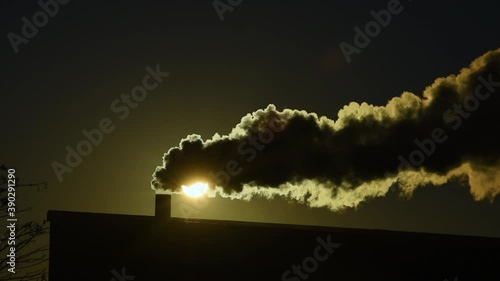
<point>163,203</point>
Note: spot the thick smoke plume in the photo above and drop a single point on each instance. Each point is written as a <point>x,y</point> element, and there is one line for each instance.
<point>449,132</point>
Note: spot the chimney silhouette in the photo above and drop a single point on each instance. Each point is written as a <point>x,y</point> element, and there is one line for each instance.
<point>163,204</point>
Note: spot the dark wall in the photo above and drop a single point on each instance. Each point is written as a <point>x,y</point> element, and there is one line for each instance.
<point>90,248</point>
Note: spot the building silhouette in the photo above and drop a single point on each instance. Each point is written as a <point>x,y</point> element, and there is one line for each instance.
<point>92,246</point>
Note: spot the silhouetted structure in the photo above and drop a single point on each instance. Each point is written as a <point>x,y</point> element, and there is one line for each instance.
<point>89,246</point>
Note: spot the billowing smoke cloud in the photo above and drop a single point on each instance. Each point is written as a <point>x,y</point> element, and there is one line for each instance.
<point>450,132</point>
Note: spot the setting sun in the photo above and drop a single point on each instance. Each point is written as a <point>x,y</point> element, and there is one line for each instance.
<point>195,190</point>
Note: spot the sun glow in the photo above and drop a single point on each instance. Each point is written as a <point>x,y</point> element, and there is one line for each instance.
<point>195,190</point>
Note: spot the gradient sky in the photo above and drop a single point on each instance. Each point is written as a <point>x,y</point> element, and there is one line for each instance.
<point>281,52</point>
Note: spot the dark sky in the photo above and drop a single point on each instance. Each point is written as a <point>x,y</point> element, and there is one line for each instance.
<point>64,79</point>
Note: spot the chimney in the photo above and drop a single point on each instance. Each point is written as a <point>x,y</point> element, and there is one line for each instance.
<point>162,206</point>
